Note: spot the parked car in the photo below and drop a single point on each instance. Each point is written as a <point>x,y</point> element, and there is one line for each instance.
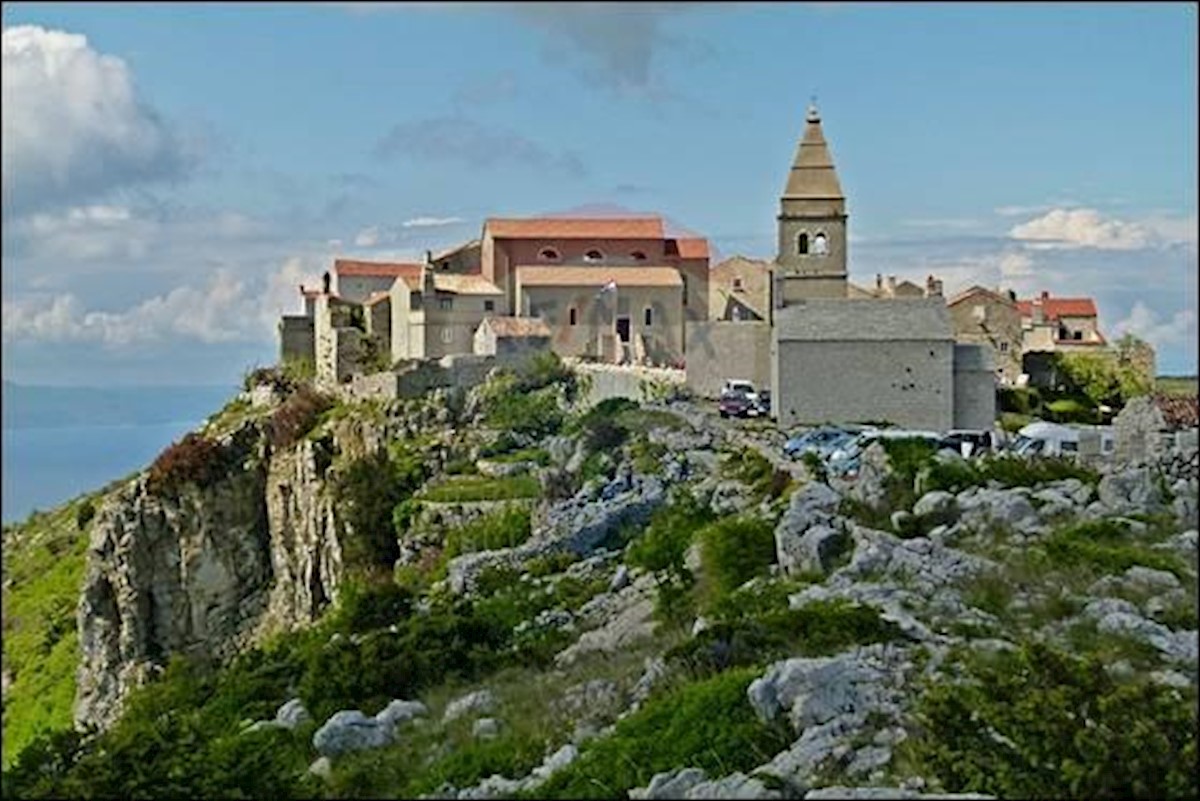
<point>740,385</point>
<point>735,404</point>
<point>971,442</point>
<point>820,441</point>
<point>762,406</point>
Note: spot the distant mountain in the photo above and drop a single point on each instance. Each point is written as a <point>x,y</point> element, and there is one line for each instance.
<point>29,406</point>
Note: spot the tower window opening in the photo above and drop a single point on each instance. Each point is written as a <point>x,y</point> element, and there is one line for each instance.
<point>802,244</point>
<point>593,255</point>
<point>820,245</point>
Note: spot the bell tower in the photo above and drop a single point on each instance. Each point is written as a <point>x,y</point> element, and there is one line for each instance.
<point>811,261</point>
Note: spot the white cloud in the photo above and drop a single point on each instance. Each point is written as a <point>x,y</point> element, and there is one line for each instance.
<point>74,126</point>
<point>1083,228</point>
<point>367,237</point>
<point>1144,322</point>
<point>230,308</point>
<point>430,222</point>
<point>1014,264</point>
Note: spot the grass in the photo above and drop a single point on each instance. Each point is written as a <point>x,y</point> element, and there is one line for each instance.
<point>476,488</point>
<point>1177,384</point>
<point>538,456</point>
<point>43,573</point>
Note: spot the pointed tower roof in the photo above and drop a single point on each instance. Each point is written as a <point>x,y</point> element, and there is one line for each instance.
<point>813,174</point>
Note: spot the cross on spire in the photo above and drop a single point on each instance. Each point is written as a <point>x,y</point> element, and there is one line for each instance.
<point>813,114</point>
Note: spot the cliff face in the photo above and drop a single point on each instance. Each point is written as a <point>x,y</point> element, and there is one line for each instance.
<point>206,569</point>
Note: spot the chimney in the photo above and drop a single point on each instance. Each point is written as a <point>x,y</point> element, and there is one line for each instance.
<point>1045,295</point>
<point>933,287</point>
<point>428,257</point>
<point>878,284</point>
<point>891,286</point>
<point>1039,311</point>
<point>325,280</point>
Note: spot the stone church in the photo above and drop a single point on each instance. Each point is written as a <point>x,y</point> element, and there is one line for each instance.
<point>833,354</point>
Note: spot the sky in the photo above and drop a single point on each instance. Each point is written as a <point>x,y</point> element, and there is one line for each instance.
<point>172,172</point>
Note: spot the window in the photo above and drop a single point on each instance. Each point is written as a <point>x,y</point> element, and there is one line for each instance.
<point>1004,347</point>
<point>1077,335</point>
<point>593,255</point>
<point>820,245</point>
<point>1069,447</point>
<point>414,301</point>
<point>737,285</point>
<point>637,255</point>
<point>548,254</point>
<point>445,304</point>
<point>802,244</point>
<point>572,316</point>
<point>489,305</point>
<point>648,320</point>
<point>447,335</point>
<point>683,279</point>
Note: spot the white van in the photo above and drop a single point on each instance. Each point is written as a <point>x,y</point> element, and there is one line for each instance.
<point>1053,439</point>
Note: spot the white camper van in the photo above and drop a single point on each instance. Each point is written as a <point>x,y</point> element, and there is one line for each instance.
<point>1053,439</point>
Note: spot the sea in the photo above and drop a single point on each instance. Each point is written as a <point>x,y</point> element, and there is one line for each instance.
<point>57,445</point>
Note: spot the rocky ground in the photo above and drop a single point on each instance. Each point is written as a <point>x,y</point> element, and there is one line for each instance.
<point>922,580</point>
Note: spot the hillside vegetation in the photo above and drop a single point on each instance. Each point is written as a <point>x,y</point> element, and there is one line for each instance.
<point>545,600</point>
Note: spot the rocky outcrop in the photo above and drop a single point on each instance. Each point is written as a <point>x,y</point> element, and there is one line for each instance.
<point>187,571</point>
<point>209,568</point>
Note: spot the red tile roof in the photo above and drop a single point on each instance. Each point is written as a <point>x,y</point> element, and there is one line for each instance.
<point>375,268</point>
<point>576,228</point>
<point>1060,307</point>
<point>693,247</point>
<point>1181,411</point>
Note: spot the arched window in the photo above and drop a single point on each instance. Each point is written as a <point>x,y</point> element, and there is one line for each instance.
<point>820,245</point>
<point>593,255</point>
<point>548,254</point>
<point>572,317</point>
<point>802,244</point>
<point>649,318</point>
<point>638,255</point>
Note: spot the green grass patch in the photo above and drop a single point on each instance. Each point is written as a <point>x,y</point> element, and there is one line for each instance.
<point>44,561</point>
<point>504,528</point>
<point>707,724</point>
<point>1105,546</point>
<point>478,488</point>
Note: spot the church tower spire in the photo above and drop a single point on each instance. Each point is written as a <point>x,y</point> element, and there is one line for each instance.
<point>811,260</point>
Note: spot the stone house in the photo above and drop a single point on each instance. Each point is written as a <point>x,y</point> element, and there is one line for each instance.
<point>981,316</point>
<point>1151,427</point>
<point>1059,324</point>
<point>893,290</point>
<point>436,314</point>
<point>355,281</point>
<point>512,338</point>
<point>864,360</point>
<point>739,289</point>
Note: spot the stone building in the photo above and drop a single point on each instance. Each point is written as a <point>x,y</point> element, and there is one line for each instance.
<point>992,319</point>
<point>1059,324</point>
<point>864,361</point>
<point>512,338</point>
<point>436,314</point>
<point>739,289</point>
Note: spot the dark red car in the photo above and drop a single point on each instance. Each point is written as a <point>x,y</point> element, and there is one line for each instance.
<point>735,404</point>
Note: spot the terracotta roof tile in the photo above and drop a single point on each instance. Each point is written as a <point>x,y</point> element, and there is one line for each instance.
<point>375,268</point>
<point>1060,307</point>
<point>518,326</point>
<point>1179,411</point>
<point>575,228</point>
<point>693,247</point>
<point>465,284</point>
<point>528,275</point>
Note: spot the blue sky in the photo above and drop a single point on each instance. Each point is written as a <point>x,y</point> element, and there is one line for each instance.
<point>172,171</point>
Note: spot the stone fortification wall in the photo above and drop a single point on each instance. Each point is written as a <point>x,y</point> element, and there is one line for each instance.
<point>604,381</point>
<point>717,351</point>
<point>974,387</point>
<point>296,341</point>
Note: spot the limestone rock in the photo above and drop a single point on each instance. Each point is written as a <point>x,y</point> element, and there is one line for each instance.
<point>936,507</point>
<point>292,714</point>
<point>475,703</point>
<point>1131,490</point>
<point>807,538</point>
<point>486,729</point>
<point>399,712</point>
<point>351,730</point>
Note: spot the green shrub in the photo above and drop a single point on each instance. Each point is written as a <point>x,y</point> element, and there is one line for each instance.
<point>1040,723</point>
<point>736,550</point>
<point>538,456</point>
<point>296,416</point>
<point>366,605</point>
<point>473,488</point>
<point>1071,410</point>
<point>707,724</point>
<point>529,413</point>
<point>662,546</point>
<point>367,494</point>
<point>1020,400</point>
<point>1104,546</point>
<point>758,634</point>
<point>505,528</point>
<point>84,514</point>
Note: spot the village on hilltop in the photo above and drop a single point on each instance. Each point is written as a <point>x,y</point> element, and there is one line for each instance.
<point>623,291</point>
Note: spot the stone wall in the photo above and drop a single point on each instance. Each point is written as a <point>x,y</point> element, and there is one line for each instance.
<point>974,387</point>
<point>717,351</point>
<point>1142,435</point>
<point>606,381</point>
<point>296,339</point>
<point>908,383</point>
